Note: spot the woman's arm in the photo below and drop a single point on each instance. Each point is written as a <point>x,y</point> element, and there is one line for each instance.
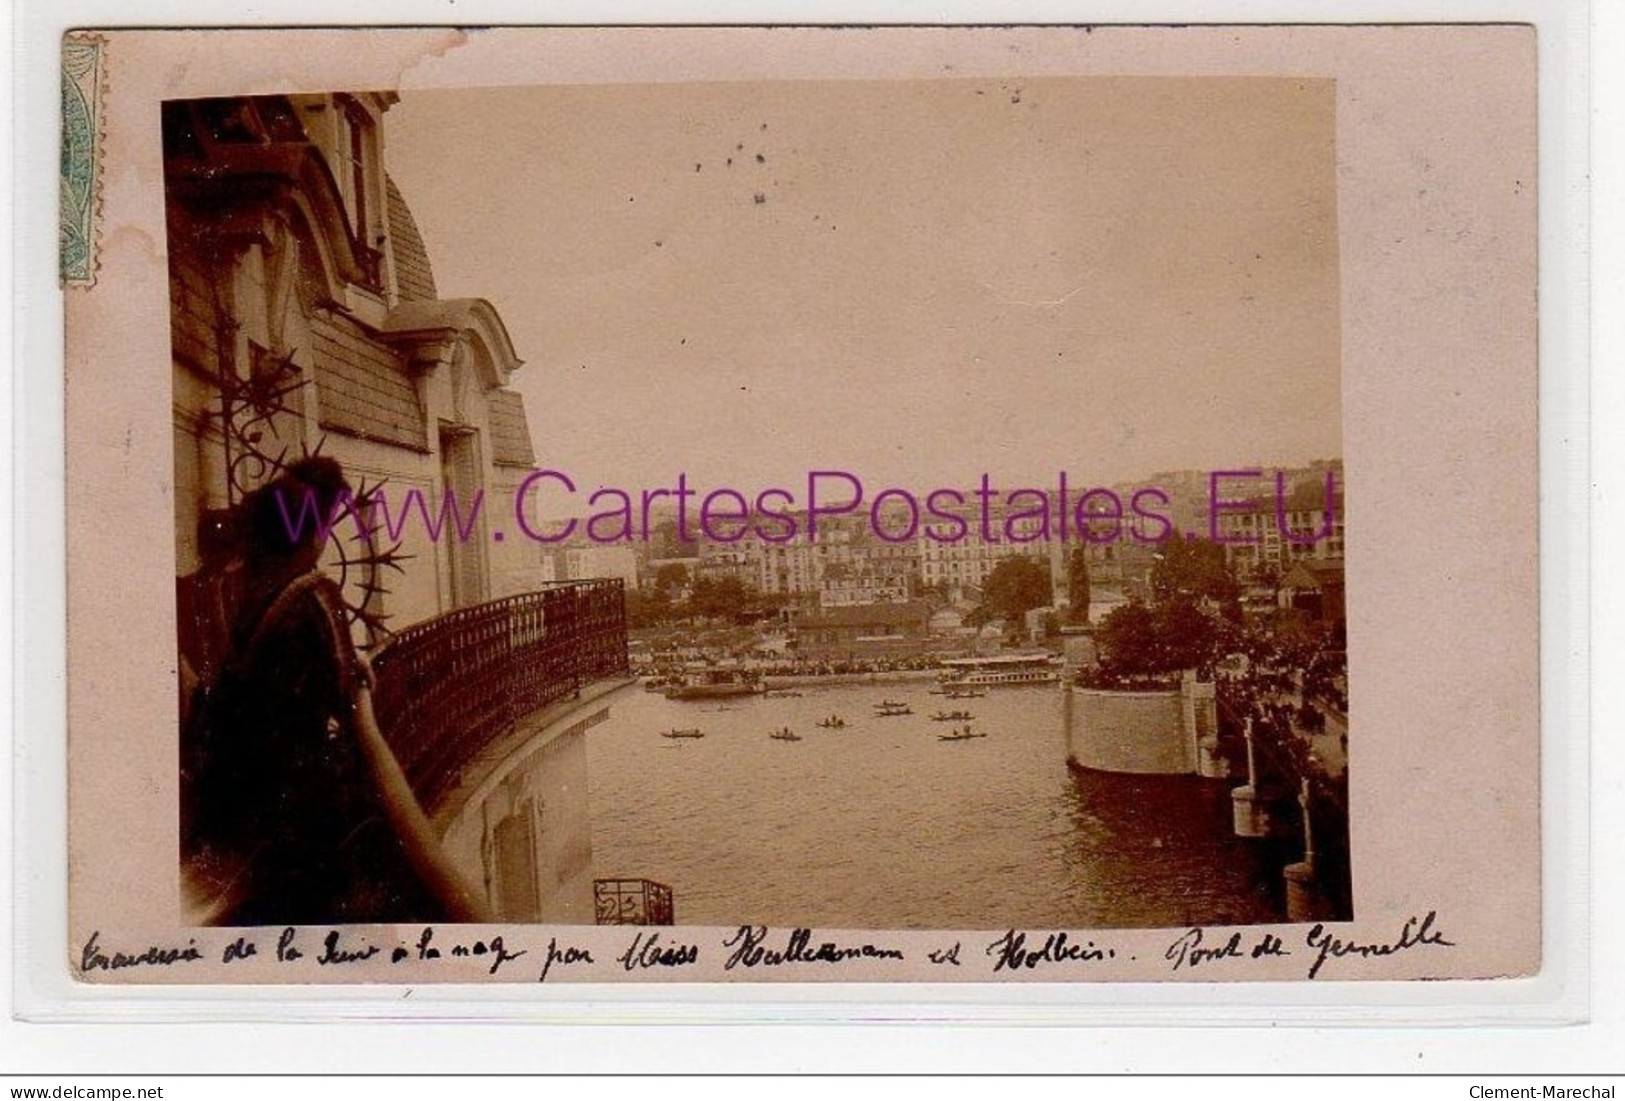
<point>354,688</point>
<point>423,848</point>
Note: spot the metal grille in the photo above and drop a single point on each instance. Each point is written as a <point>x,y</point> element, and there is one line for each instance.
<point>632,902</point>
<point>449,686</point>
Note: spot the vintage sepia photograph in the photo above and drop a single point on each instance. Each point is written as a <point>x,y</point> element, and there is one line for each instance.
<point>872,505</point>
<point>801,505</point>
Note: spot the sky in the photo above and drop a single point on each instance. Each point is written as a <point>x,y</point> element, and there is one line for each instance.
<point>917,282</point>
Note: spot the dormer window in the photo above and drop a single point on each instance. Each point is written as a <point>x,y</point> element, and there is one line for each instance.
<point>353,141</point>
<point>352,151</point>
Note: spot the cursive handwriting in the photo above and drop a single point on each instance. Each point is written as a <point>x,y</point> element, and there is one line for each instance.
<point>285,950</point>
<point>945,955</point>
<point>1416,932</point>
<point>798,948</point>
<point>565,956</point>
<point>93,958</point>
<point>332,952</point>
<point>647,951</point>
<point>1011,952</point>
<point>1189,951</point>
<point>425,950</point>
<point>499,952</point>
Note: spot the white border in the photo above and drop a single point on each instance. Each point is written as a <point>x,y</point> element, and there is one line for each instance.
<point>37,918</point>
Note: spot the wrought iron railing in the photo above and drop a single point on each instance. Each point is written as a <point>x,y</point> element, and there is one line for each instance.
<point>449,686</point>
<point>632,902</point>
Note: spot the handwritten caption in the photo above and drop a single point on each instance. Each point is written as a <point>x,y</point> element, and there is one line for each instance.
<point>1318,951</point>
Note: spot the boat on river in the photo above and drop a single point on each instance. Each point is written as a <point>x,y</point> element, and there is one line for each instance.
<point>970,674</point>
<point>951,716</point>
<point>964,735</point>
<point>834,722</point>
<point>709,683</point>
<point>689,732</point>
<point>785,735</point>
<point>888,710</point>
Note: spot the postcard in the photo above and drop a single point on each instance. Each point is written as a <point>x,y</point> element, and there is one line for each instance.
<point>1035,504</point>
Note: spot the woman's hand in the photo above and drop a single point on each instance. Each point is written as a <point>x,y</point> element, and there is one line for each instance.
<point>365,676</point>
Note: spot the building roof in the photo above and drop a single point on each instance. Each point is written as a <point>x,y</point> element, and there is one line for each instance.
<point>364,388</point>
<point>510,431</point>
<point>414,276</point>
<point>1314,573</point>
<point>472,320</point>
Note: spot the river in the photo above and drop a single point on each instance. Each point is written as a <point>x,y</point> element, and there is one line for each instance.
<point>882,825</point>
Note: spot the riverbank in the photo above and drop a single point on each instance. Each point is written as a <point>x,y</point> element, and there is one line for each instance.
<point>812,680</point>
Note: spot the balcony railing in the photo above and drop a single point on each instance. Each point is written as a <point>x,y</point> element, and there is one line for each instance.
<point>449,686</point>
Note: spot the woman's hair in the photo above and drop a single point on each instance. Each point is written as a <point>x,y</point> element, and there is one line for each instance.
<point>294,509</point>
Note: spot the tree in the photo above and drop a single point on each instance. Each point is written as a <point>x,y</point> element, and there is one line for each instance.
<point>1128,640</point>
<point>1195,569</point>
<point>1190,622</point>
<point>1141,639</point>
<point>1189,637</point>
<point>725,597</point>
<point>671,577</point>
<point>1077,585</point>
<point>1015,587</point>
<point>648,607</point>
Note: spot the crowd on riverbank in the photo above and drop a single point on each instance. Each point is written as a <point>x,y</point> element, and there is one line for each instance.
<point>666,666</point>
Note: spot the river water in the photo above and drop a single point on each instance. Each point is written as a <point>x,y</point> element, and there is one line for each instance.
<point>883,826</point>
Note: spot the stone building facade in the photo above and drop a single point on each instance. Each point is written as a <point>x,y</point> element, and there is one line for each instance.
<point>304,316</point>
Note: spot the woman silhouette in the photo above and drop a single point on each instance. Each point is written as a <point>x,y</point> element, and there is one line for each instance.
<point>295,811</point>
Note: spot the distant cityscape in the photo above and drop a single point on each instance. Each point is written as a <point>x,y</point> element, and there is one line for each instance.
<point>854,591</point>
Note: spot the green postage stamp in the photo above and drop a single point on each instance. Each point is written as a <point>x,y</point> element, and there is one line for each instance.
<point>82,82</point>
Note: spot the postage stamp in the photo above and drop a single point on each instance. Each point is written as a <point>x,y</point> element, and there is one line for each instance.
<point>83,77</point>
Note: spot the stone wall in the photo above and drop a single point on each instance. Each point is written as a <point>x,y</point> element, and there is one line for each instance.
<point>1139,732</point>
<point>1171,732</point>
